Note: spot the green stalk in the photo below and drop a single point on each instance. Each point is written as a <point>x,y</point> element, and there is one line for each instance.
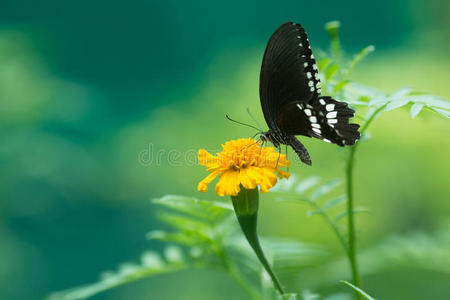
<point>350,202</point>
<point>350,221</point>
<point>246,209</point>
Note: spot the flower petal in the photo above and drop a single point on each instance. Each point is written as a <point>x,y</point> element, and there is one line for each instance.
<point>264,177</point>
<point>228,183</point>
<point>247,178</point>
<point>203,185</point>
<point>269,179</point>
<point>281,174</point>
<point>208,160</point>
<point>242,162</point>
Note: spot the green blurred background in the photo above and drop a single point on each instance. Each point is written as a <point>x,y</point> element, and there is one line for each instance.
<point>89,88</point>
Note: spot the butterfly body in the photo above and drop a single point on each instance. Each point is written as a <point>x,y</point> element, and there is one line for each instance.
<point>291,100</point>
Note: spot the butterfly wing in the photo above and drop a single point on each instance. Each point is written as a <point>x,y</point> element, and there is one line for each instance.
<point>288,73</point>
<point>323,118</point>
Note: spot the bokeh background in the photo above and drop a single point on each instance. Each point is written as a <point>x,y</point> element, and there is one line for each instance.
<point>96,97</point>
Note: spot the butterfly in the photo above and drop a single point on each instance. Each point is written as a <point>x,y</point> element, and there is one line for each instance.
<point>291,100</point>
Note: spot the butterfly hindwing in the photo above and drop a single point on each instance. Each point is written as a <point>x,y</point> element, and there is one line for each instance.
<point>289,71</point>
<point>290,93</point>
<point>323,118</point>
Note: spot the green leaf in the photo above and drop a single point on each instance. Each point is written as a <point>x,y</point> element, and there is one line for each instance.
<point>430,100</point>
<point>415,109</point>
<point>443,112</point>
<point>355,211</point>
<point>359,57</point>
<point>193,206</point>
<point>310,213</point>
<point>325,188</point>
<point>394,104</point>
<point>400,93</point>
<point>290,297</point>
<point>290,256</point>
<point>306,184</point>
<point>126,273</point>
<point>338,87</point>
<point>174,254</point>
<point>355,91</point>
<point>182,238</point>
<point>364,294</point>
<point>331,71</point>
<point>323,63</point>
<point>151,259</point>
<point>336,201</point>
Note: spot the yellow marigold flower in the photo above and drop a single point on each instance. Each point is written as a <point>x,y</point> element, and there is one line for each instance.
<point>242,162</point>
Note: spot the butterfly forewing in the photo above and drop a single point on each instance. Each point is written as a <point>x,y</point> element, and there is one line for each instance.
<point>291,97</point>
<point>288,73</point>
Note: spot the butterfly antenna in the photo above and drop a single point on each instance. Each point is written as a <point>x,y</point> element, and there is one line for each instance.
<point>248,125</point>
<point>253,118</point>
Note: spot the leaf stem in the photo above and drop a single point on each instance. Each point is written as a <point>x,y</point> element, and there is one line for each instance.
<point>350,202</point>
<point>330,223</point>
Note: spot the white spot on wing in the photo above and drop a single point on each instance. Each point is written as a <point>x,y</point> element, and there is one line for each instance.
<point>305,64</point>
<point>312,89</point>
<point>322,101</point>
<point>314,66</point>
<point>329,107</point>
<point>308,74</point>
<point>317,130</point>
<point>327,140</point>
<point>313,119</point>
<point>300,106</point>
<point>311,83</point>
<point>331,115</point>
<point>332,121</point>
<point>307,112</point>
<point>315,125</point>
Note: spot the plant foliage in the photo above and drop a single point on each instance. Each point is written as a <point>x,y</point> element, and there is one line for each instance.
<point>204,234</point>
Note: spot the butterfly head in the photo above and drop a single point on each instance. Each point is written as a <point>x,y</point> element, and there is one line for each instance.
<point>264,137</point>
<point>272,136</point>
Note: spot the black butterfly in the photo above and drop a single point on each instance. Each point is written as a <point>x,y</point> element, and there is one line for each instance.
<point>290,96</point>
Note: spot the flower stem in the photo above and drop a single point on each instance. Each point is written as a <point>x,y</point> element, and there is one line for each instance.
<point>246,208</point>
<point>249,222</point>
<point>350,204</point>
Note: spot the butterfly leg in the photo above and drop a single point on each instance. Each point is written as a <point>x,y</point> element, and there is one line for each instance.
<point>279,154</point>
<point>300,150</point>
<point>257,141</point>
<point>286,149</point>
